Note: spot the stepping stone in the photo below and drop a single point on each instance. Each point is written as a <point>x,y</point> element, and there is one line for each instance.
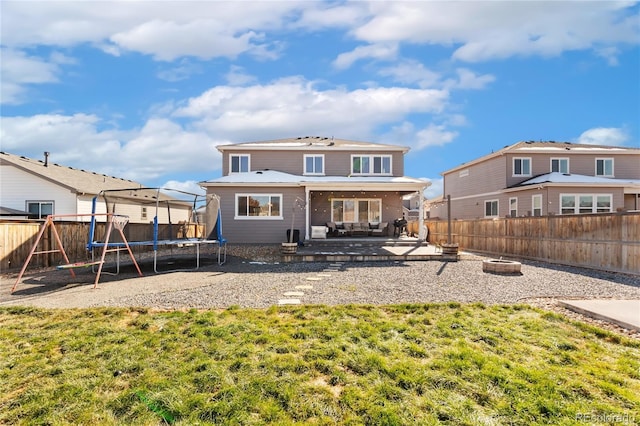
<point>314,278</point>
<point>324,275</point>
<point>331,270</point>
<point>289,302</point>
<point>294,294</point>
<point>336,265</point>
<point>304,287</point>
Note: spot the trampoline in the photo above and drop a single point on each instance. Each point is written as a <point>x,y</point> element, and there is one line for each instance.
<point>165,235</point>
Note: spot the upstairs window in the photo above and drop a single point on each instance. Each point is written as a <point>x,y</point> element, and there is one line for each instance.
<point>604,167</point>
<point>371,164</point>
<point>314,164</point>
<point>560,165</point>
<point>522,167</point>
<point>41,209</point>
<point>239,163</point>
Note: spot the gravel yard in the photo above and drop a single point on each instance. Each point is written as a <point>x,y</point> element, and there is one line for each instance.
<point>249,284</point>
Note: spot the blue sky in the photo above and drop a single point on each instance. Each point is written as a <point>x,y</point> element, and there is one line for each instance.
<point>146,90</point>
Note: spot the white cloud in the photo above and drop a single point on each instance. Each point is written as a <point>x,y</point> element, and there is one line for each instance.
<point>19,70</point>
<point>160,147</point>
<point>497,30</point>
<point>434,135</point>
<point>238,77</point>
<point>295,106</point>
<point>386,52</point>
<point>467,79</point>
<point>189,186</point>
<point>412,72</point>
<point>182,71</point>
<point>436,189</point>
<point>603,136</point>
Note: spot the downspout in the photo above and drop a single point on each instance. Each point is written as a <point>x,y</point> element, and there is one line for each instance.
<point>307,203</point>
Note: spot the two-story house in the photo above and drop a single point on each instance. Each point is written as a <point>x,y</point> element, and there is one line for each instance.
<point>266,187</point>
<point>543,178</point>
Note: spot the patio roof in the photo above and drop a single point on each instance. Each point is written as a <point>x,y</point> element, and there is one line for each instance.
<point>345,183</point>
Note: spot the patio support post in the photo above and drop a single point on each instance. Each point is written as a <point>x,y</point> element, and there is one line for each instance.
<point>307,203</point>
<point>448,218</point>
<point>421,233</point>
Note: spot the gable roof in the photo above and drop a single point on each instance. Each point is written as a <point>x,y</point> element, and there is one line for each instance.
<point>78,180</point>
<point>312,143</point>
<point>548,147</point>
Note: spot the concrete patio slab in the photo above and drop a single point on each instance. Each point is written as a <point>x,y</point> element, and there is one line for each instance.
<point>625,313</point>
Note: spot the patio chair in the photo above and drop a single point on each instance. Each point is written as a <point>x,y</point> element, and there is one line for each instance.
<point>380,231</point>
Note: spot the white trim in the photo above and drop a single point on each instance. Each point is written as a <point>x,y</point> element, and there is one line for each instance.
<point>613,172</point>
<point>497,208</point>
<point>516,200</point>
<point>560,159</point>
<point>314,173</point>
<point>239,163</point>
<point>533,204</point>
<point>371,160</point>
<point>594,202</point>
<point>244,194</point>
<point>513,167</point>
<point>355,209</point>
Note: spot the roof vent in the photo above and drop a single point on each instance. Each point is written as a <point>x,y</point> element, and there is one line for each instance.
<point>46,158</point>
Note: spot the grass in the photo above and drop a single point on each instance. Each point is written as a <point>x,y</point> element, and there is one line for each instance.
<point>392,365</point>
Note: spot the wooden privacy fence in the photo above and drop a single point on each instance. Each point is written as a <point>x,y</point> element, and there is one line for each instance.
<point>17,238</point>
<point>609,242</point>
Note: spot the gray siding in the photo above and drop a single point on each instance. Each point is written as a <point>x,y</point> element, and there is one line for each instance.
<point>258,230</point>
<point>337,163</point>
<point>484,177</point>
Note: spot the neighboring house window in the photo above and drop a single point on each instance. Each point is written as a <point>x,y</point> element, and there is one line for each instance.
<point>585,203</point>
<point>604,167</point>
<point>491,208</point>
<point>560,165</point>
<point>522,166</point>
<point>314,164</point>
<point>536,202</point>
<point>258,206</point>
<point>371,164</point>
<point>463,173</point>
<point>356,210</point>
<point>513,207</point>
<point>239,163</point>
<point>143,213</point>
<point>41,209</point>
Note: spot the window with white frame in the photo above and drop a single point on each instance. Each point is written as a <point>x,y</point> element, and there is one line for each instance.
<point>258,206</point>
<point>585,203</point>
<point>313,164</point>
<point>239,163</point>
<point>604,167</point>
<point>41,209</point>
<point>356,210</point>
<point>560,165</point>
<point>491,208</point>
<point>463,173</point>
<point>513,207</point>
<point>522,167</point>
<point>371,164</point>
<point>536,205</point>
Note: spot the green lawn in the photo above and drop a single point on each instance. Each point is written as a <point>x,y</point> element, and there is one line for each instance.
<point>391,365</point>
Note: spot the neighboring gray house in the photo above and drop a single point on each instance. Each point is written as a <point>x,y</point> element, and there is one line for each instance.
<point>543,178</point>
<point>42,188</point>
<point>319,180</point>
